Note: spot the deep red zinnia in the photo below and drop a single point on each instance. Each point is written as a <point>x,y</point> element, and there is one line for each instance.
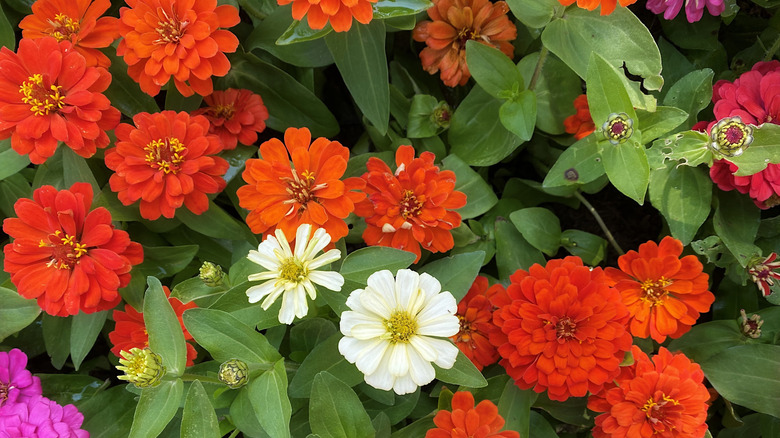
<point>467,421</point>
<point>235,116</point>
<point>475,313</point>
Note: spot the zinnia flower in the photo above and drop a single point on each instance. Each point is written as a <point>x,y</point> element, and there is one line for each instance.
<point>562,329</point>
<point>281,195</point>
<point>694,9</point>
<point>130,330</point>
<point>580,123</point>
<point>50,96</point>
<point>467,421</point>
<point>475,313</point>
<point>166,160</point>
<point>42,418</point>
<point>338,12</point>
<point>292,274</point>
<point>17,384</point>
<point>235,116</point>
<point>762,272</point>
<point>412,206</point>
<point>182,39</point>
<point>79,22</point>
<point>394,327</point>
<point>69,258</point>
<point>607,6</point>
<point>659,398</point>
<point>664,293</point>
<point>454,23</point>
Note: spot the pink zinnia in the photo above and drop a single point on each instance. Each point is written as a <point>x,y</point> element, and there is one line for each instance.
<point>694,9</point>
<point>17,384</point>
<point>41,418</point>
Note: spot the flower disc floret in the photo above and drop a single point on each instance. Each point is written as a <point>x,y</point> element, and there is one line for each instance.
<point>730,137</point>
<point>465,420</point>
<point>618,128</point>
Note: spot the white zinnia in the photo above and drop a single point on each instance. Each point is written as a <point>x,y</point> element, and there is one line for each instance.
<point>389,333</point>
<point>292,274</point>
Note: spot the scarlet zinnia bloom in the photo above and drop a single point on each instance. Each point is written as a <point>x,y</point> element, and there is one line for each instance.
<point>69,258</point>
<point>580,123</point>
<point>562,329</point>
<point>412,206</point>
<point>659,398</point>
<point>467,421</point>
<point>475,313</point>
<point>166,160</point>
<point>179,38</point>
<point>607,6</point>
<point>663,292</point>
<point>235,116</point>
<point>79,22</point>
<point>308,191</point>
<point>50,95</point>
<point>130,331</point>
<point>454,23</point>
<point>338,12</point>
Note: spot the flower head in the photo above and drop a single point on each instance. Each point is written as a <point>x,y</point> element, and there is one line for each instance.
<point>293,274</point>
<point>618,128</point>
<point>394,327</point>
<point>50,96</point>
<point>130,330</point>
<point>183,39</point>
<point>659,398</point>
<point>141,367</point>
<point>580,123</point>
<point>454,23</point>
<point>412,206</point>
<point>730,137</point>
<point>751,327</point>
<point>284,195</point>
<point>41,417</point>
<point>166,160</point>
<point>607,6</point>
<point>763,272</point>
<point>234,373</point>
<point>17,384</point>
<point>79,22</point>
<point>235,116</point>
<point>475,313</point>
<point>338,12</point>
<point>211,274</point>
<point>67,257</point>
<point>664,293</point>
<point>694,9</point>
<point>562,329</point>
<point>464,420</point>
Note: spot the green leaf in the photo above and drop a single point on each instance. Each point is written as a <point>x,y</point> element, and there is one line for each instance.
<point>312,53</point>
<point>125,93</point>
<point>456,273</point>
<point>659,122</point>
<point>119,213</point>
<point>360,264</point>
<point>764,149</point>
<point>360,57</point>
<point>462,373</point>
<point>214,222</point>
<point>690,148</point>
<point>12,161</point>
<point>606,92</point>
<point>75,169</point>
<point>515,407</point>
<point>590,248</point>
<point>747,375</point>
<point>736,222</point>
<point>708,339</point>
<point>384,9</point>
<point>580,163</point>
<point>70,388</point>
<point>572,411</point>
<point>166,261</point>
<point>627,168</point>
<point>175,101</point>
<point>513,252</point>
<point>493,70</point>
<point>683,195</point>
<point>421,123</point>
<point>16,312</point>
<point>243,416</point>
<point>691,94</point>
<point>540,227</point>
<point>534,13</point>
<point>541,427</point>
<point>109,414</point>
<point>324,357</point>
<point>268,395</point>
<point>309,333</point>
<point>165,334</point>
<point>225,337</point>
<point>478,192</point>
<point>519,114</point>
<point>56,337</point>
<point>335,411</point>
<point>7,37</point>
<point>83,334</point>
<point>556,88</point>
<point>299,31</point>
<point>199,419</point>
<point>156,408</point>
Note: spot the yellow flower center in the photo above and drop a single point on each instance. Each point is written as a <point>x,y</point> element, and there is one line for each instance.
<point>62,27</point>
<point>655,291</point>
<point>301,188</point>
<point>292,270</point>
<point>224,111</point>
<point>169,28</point>
<point>400,327</point>
<point>41,99</point>
<point>410,204</point>
<point>165,154</point>
<point>65,249</point>
<point>659,411</point>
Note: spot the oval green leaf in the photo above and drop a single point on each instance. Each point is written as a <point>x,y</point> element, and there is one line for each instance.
<point>165,335</point>
<point>156,408</point>
<point>335,411</point>
<point>198,419</point>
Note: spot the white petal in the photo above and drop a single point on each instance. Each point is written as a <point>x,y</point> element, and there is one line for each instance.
<point>264,258</point>
<point>256,293</point>
<point>353,301</point>
<point>443,326</point>
<point>398,363</point>
<point>329,279</point>
<point>329,257</point>
<point>318,242</point>
<point>420,370</point>
<point>374,354</point>
<point>368,330</point>
<point>350,318</point>
<point>270,299</point>
<point>406,290</point>
<point>381,378</point>
<point>447,352</point>
<point>424,348</point>
<point>267,275</point>
<point>350,348</point>
<point>439,305</point>
<point>287,312</point>
<point>284,245</point>
<point>375,303</point>
<point>429,284</point>
<point>382,282</point>
<point>302,240</point>
<point>404,385</point>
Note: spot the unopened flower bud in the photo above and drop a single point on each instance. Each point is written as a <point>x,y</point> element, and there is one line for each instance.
<point>143,368</point>
<point>442,114</point>
<point>751,327</point>
<point>618,128</point>
<point>730,137</point>
<point>212,274</point>
<point>234,373</point>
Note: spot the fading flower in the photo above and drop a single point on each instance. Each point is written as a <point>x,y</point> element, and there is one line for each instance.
<point>41,418</point>
<point>454,23</point>
<point>235,116</point>
<point>694,9</point>
<point>580,123</point>
<point>338,12</point>
<point>394,330</point>
<point>763,272</point>
<point>17,384</point>
<point>475,313</point>
<point>464,420</point>
<point>607,6</point>
<point>292,274</point>
<point>751,327</point>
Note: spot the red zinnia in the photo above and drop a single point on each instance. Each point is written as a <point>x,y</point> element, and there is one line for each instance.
<point>235,116</point>
<point>69,258</point>
<point>466,421</point>
<point>182,39</point>
<point>454,23</point>
<point>412,206</point>
<point>79,22</point>
<point>562,329</point>
<point>166,160</point>
<point>660,398</point>
<point>664,293</point>
<point>50,95</point>
<point>580,123</point>
<point>338,12</point>
<point>284,194</point>
<point>130,331</point>
<point>475,313</point>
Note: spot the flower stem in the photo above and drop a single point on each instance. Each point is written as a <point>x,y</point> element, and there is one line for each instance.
<point>538,69</point>
<point>601,223</point>
<point>201,377</point>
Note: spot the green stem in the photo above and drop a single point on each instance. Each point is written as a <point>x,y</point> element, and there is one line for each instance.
<point>538,69</point>
<point>201,377</point>
<point>772,50</point>
<point>601,223</point>
<point>234,434</point>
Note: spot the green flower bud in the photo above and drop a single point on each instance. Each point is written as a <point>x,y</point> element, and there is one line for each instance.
<point>442,114</point>
<point>212,274</point>
<point>730,137</point>
<point>618,128</point>
<point>234,373</point>
<point>143,368</point>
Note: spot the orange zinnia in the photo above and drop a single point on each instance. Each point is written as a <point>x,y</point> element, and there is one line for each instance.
<point>475,313</point>
<point>562,329</point>
<point>664,293</point>
<point>78,21</point>
<point>166,160</point>
<point>467,421</point>
<point>235,116</point>
<point>607,6</point>
<point>454,23</point>
<point>338,12</point>
<point>179,38</point>
<point>49,95</point>
<point>130,330</point>
<point>308,191</point>
<point>412,206</point>
<point>660,398</point>
<point>67,257</point>
<point>580,123</point>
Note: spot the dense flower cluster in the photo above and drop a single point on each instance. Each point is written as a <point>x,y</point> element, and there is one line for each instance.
<point>475,313</point>
<point>235,116</point>
<point>465,420</point>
